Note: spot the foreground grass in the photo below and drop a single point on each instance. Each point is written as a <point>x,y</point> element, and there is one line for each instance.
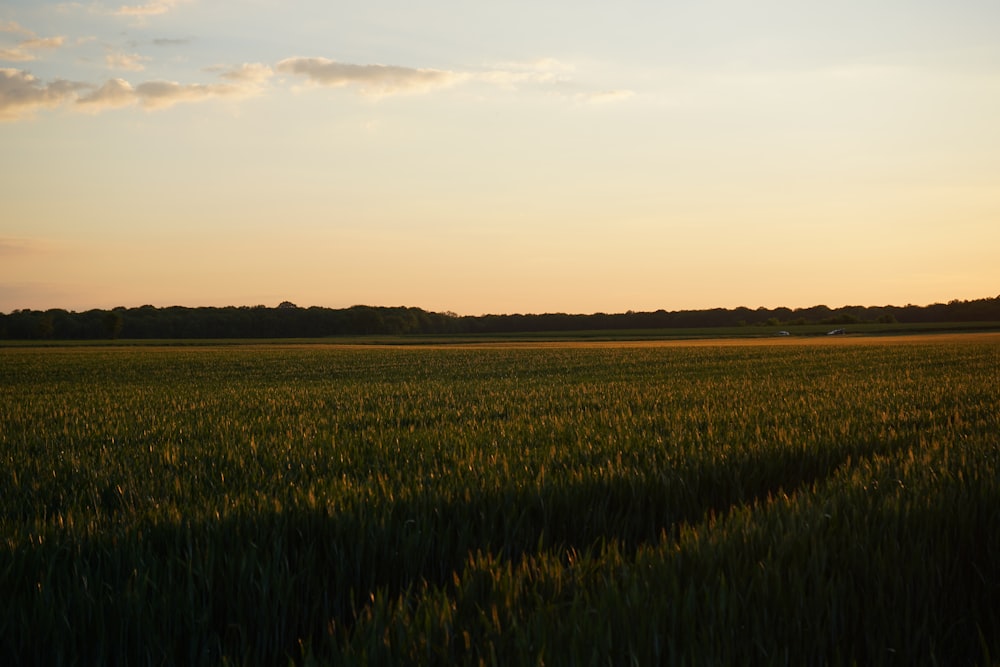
<point>814,503</point>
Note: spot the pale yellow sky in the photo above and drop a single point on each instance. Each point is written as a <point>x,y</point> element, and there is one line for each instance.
<point>520,158</point>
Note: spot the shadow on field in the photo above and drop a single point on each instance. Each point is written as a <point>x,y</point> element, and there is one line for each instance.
<point>257,587</point>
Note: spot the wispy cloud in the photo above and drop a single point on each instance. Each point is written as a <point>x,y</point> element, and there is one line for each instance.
<point>374,80</point>
<point>25,49</point>
<point>555,76</point>
<point>543,70</point>
<point>113,94</point>
<point>131,62</point>
<point>15,247</point>
<point>152,8</point>
<point>15,55</point>
<point>243,81</point>
<point>248,73</point>
<point>171,41</point>
<point>383,80</point>
<point>605,96</point>
<point>43,43</point>
<point>21,93</point>
<point>162,94</point>
<point>15,28</point>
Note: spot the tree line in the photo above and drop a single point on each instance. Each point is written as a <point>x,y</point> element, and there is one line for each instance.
<point>290,321</point>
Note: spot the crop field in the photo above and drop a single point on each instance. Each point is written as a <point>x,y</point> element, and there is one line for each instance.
<point>777,502</point>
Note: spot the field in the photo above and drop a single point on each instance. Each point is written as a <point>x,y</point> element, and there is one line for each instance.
<point>820,501</point>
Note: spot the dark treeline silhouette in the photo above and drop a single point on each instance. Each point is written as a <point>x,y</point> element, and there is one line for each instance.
<point>289,321</point>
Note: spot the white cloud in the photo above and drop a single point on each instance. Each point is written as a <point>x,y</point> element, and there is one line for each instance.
<point>21,93</point>
<point>370,79</point>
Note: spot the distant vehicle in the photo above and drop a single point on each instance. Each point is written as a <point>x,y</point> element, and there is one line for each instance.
<point>783,333</point>
<point>835,332</point>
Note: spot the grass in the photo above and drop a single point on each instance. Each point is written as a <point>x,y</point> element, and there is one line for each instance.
<point>752,331</point>
<point>803,503</point>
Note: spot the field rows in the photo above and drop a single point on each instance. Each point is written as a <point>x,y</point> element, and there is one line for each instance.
<point>700,504</point>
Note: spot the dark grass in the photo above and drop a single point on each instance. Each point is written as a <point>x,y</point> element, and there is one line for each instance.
<point>591,335</point>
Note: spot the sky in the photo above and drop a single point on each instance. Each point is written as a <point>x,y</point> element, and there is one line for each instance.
<point>516,157</point>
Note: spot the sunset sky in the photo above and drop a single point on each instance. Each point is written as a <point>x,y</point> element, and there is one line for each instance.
<point>506,157</point>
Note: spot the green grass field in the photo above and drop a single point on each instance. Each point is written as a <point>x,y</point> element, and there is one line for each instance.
<point>789,502</point>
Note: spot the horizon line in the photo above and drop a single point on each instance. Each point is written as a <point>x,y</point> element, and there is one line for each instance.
<point>504,314</point>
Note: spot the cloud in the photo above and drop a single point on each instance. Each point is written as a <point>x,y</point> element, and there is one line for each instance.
<point>152,8</point>
<point>374,80</point>
<point>163,94</point>
<point>113,94</point>
<point>387,80</point>
<point>246,80</point>
<point>131,62</point>
<point>534,72</point>
<point>16,55</point>
<point>606,96</point>
<point>379,80</point>
<point>546,74</point>
<point>14,247</point>
<point>117,93</point>
<point>43,43</point>
<point>167,41</point>
<point>21,93</point>
<point>24,51</point>
<point>551,76</point>
<point>16,29</point>
<point>250,73</point>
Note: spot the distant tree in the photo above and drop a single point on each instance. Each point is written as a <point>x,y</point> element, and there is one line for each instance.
<point>45,326</point>
<point>842,318</point>
<point>287,319</point>
<point>113,323</point>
